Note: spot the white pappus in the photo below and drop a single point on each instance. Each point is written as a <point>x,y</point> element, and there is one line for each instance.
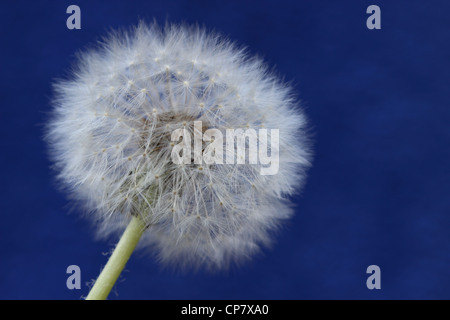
<point>110,139</point>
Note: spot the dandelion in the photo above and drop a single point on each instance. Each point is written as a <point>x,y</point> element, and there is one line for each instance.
<point>111,142</point>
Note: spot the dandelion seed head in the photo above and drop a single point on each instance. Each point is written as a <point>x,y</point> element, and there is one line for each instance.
<point>110,138</point>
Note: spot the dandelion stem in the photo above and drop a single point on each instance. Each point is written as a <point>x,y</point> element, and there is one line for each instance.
<point>117,261</point>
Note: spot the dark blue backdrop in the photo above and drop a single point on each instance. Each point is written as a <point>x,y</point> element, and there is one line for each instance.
<point>378,192</point>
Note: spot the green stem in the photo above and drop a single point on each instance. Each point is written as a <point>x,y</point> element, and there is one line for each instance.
<point>117,261</point>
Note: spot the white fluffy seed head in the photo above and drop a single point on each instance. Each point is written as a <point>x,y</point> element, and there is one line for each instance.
<point>111,142</point>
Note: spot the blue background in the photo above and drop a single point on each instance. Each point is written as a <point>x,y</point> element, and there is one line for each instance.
<point>378,192</point>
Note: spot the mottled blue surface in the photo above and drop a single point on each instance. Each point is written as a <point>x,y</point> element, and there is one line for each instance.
<point>379,190</point>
